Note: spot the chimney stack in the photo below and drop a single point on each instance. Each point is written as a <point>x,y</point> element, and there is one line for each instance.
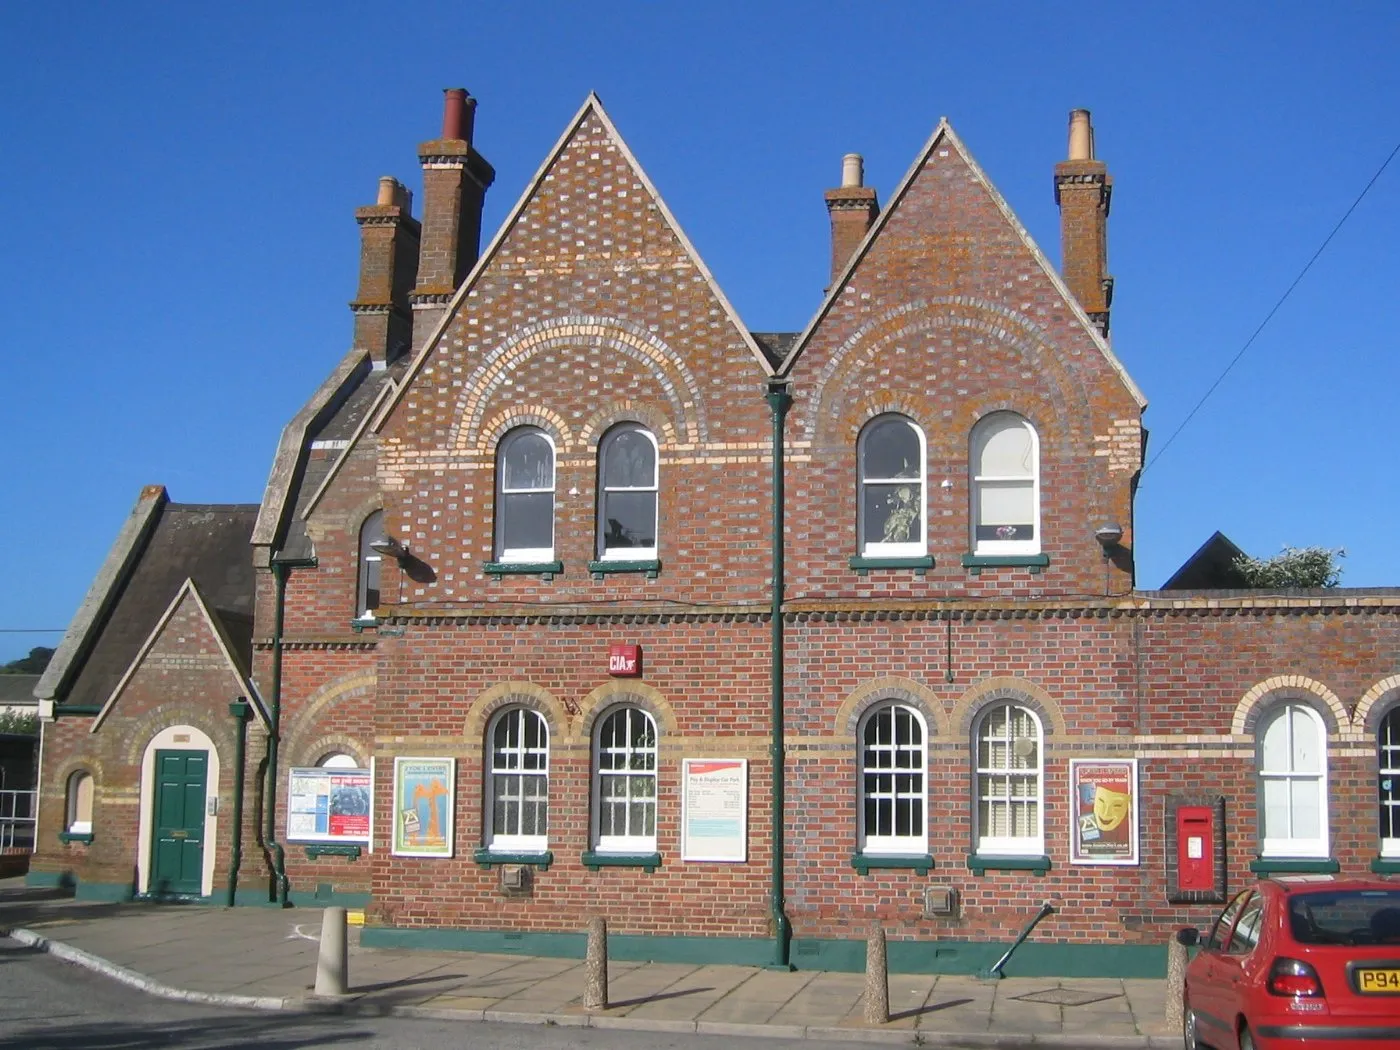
<point>853,208</point>
<point>388,268</point>
<point>455,179</point>
<point>1084,191</point>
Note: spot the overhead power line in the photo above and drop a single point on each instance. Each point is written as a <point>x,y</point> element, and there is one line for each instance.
<point>1270,315</point>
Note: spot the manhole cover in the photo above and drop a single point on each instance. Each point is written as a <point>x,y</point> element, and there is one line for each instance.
<point>1066,997</point>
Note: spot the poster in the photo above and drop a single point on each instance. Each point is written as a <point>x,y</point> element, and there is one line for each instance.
<point>424,801</point>
<point>329,805</point>
<point>714,809</point>
<point>1103,810</point>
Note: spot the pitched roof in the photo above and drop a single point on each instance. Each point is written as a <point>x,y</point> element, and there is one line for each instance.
<point>1212,567</point>
<point>161,546</point>
<point>17,690</point>
<point>942,134</point>
<point>593,106</point>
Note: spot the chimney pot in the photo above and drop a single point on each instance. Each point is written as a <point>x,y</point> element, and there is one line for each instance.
<point>852,170</point>
<point>458,111</point>
<point>1081,135</point>
<point>388,191</point>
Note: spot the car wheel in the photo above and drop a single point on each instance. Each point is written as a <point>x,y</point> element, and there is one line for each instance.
<point>1246,1039</point>
<point>1189,1035</point>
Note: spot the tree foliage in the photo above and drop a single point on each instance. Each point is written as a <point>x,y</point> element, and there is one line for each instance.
<point>1293,567</point>
<point>34,663</point>
<point>19,723</point>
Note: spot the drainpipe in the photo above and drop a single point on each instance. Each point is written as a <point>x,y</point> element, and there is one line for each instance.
<point>281,569</point>
<point>239,711</point>
<point>779,401</point>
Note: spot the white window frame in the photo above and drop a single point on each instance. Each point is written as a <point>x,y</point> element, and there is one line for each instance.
<point>510,763</point>
<point>1291,846</point>
<point>875,548</point>
<point>994,548</point>
<point>629,553</point>
<point>371,562</point>
<point>629,773</point>
<point>523,555</point>
<point>1008,845</point>
<point>75,803</point>
<point>893,844</point>
<point>1388,765</point>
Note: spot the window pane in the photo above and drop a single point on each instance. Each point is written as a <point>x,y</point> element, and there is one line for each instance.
<point>528,462</point>
<point>1306,795</point>
<point>1307,749</point>
<point>629,461</point>
<point>1007,450</point>
<point>527,520</point>
<point>1005,503</point>
<point>893,513</point>
<point>1276,824</point>
<point>629,520</point>
<point>1275,754</point>
<point>891,450</point>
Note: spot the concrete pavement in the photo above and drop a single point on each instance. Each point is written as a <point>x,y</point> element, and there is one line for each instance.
<point>266,958</point>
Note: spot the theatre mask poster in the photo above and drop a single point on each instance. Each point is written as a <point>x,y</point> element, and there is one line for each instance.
<point>1103,810</point>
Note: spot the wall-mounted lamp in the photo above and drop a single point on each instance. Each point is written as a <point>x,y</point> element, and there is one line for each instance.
<point>389,547</point>
<point>1108,535</point>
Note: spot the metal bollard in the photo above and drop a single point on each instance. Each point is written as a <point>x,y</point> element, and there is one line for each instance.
<point>877,978</point>
<point>595,966</point>
<point>333,960</point>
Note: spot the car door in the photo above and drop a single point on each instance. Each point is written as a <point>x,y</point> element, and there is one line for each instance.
<point>1230,964</point>
<point>1208,998</point>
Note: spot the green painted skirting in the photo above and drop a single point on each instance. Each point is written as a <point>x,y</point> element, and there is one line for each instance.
<point>951,957</point>
<point>103,891</point>
<point>48,880</point>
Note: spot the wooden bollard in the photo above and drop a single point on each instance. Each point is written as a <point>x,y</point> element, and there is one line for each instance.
<point>595,966</point>
<point>877,978</point>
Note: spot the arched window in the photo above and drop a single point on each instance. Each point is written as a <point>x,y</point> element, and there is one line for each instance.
<point>1005,486</point>
<point>1388,754</point>
<point>1010,810</point>
<point>627,494</point>
<point>79,803</point>
<point>893,785</point>
<point>519,781</point>
<point>892,511</point>
<point>1292,749</point>
<point>525,496</point>
<point>624,764</point>
<point>367,586</point>
<point>339,760</point>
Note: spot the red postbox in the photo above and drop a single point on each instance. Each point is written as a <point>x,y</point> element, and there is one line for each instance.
<point>1195,848</point>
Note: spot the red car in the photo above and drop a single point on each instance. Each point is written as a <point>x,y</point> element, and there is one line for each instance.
<point>1298,962</point>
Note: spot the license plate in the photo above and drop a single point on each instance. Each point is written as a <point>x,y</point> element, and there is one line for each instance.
<point>1376,981</point>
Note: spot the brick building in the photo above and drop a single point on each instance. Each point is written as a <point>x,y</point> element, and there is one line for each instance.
<point>513,633</point>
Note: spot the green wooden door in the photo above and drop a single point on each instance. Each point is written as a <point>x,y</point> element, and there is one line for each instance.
<point>177,849</point>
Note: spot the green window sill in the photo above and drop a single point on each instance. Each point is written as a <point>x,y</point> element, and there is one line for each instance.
<point>490,858</point>
<point>864,565</point>
<point>333,849</point>
<point>975,563</point>
<point>980,864</point>
<point>1294,866</point>
<point>599,569</point>
<point>545,570</point>
<point>593,860</point>
<point>84,837</point>
<point>1386,865</point>
<point>919,862</point>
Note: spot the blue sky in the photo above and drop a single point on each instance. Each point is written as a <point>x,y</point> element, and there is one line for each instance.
<point>180,246</point>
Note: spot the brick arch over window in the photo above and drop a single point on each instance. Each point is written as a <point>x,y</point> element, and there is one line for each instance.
<point>611,694</point>
<point>139,732</point>
<point>311,752</point>
<point>921,320</point>
<point>502,423</point>
<point>886,690</point>
<point>523,694</point>
<point>885,403</point>
<point>627,411</point>
<point>1375,705</point>
<point>350,686</point>
<point>1290,687</point>
<point>561,335</point>
<point>1001,690</point>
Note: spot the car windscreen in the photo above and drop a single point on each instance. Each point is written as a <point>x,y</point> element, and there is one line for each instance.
<point>1350,917</point>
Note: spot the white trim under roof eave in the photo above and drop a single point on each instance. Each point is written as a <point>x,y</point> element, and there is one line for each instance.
<point>595,104</point>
